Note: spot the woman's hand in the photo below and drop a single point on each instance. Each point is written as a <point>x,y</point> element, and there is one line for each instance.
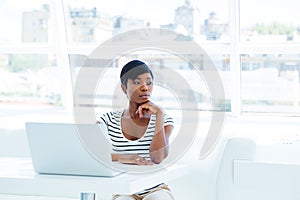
<point>131,159</point>
<point>147,109</point>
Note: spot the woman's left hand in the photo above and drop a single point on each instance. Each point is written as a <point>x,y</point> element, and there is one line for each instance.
<point>147,109</point>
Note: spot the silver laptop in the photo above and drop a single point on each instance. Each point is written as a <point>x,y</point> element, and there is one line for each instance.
<point>70,149</point>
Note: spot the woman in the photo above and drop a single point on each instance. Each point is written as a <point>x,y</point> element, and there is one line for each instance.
<point>139,134</point>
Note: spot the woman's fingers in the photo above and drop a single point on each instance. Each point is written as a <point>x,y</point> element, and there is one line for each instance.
<point>142,161</point>
<point>147,109</point>
<point>133,159</point>
<point>139,111</point>
<point>144,112</point>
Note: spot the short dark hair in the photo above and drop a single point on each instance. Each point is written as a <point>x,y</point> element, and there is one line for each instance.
<point>133,69</point>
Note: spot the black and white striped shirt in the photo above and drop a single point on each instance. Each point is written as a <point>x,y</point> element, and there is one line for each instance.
<point>122,145</point>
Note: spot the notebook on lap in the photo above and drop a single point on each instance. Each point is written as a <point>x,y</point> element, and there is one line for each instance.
<point>70,149</point>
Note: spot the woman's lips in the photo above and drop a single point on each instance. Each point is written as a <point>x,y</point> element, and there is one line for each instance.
<point>145,96</point>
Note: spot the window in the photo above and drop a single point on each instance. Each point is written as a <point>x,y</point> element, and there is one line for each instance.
<point>269,42</point>
<point>50,40</point>
<point>32,70</point>
<point>30,79</point>
<point>29,22</point>
<point>261,23</point>
<point>91,23</point>
<point>28,61</point>
<point>270,83</point>
<point>205,21</point>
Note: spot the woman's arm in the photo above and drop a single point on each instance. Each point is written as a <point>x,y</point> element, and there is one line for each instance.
<point>159,147</point>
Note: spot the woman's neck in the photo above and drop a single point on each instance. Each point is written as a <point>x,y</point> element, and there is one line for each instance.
<point>132,108</point>
<point>132,112</point>
<point>131,116</point>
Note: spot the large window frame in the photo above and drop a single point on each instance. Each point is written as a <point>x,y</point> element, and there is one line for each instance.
<point>234,48</point>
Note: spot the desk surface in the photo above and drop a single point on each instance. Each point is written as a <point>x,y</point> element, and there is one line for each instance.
<point>17,177</point>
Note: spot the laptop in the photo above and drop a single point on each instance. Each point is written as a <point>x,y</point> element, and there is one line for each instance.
<point>70,149</point>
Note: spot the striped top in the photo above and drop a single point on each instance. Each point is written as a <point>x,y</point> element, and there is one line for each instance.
<point>122,145</point>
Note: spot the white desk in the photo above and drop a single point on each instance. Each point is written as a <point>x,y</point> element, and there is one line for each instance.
<point>18,178</point>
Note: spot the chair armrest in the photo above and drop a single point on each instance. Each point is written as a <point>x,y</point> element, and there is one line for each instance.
<point>235,149</point>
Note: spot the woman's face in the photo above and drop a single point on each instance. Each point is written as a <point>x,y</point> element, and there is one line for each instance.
<point>139,90</point>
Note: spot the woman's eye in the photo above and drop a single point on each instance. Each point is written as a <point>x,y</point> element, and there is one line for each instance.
<point>149,83</point>
<point>136,82</point>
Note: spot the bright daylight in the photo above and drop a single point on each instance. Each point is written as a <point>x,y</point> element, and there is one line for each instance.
<point>148,100</point>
